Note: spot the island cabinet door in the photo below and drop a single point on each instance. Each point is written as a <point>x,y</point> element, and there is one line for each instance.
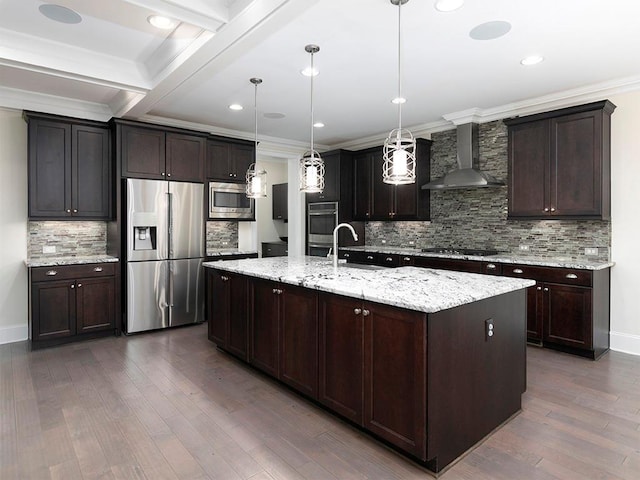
<point>341,335</point>
<point>395,404</point>
<point>299,339</point>
<point>264,319</point>
<point>217,306</point>
<point>237,323</point>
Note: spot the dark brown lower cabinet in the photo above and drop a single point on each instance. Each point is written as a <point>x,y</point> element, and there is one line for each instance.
<point>70,303</point>
<point>264,334</point>
<point>341,342</point>
<point>395,374</point>
<point>564,310</point>
<point>227,311</point>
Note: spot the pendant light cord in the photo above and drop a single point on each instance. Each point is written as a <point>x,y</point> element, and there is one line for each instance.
<point>312,75</point>
<point>399,67</point>
<point>255,113</point>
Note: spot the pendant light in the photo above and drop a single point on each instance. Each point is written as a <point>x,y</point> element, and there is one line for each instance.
<point>311,164</point>
<point>256,179</point>
<point>399,167</point>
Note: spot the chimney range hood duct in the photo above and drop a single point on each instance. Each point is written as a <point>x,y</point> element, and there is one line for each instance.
<point>467,175</point>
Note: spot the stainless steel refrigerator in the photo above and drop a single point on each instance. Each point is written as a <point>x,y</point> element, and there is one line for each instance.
<point>165,251</point>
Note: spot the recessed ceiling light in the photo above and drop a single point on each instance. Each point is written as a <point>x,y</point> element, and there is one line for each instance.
<point>308,72</point>
<point>274,115</point>
<point>235,106</point>
<point>532,60</point>
<point>399,100</point>
<point>490,30</point>
<point>59,13</point>
<point>448,5</point>
<point>318,124</point>
<point>163,23</point>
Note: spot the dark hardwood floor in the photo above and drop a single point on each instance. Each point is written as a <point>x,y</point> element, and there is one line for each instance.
<point>169,405</point>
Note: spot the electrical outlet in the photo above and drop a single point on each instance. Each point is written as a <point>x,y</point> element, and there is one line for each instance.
<point>49,249</point>
<point>524,248</point>
<point>591,251</point>
<point>383,241</point>
<point>412,243</point>
<point>488,328</point>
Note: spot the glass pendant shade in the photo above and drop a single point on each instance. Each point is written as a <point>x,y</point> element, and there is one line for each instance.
<point>311,168</point>
<point>311,173</point>
<point>399,155</point>
<point>256,186</point>
<point>256,182</point>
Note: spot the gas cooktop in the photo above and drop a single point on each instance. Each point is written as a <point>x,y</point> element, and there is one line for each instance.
<point>461,251</point>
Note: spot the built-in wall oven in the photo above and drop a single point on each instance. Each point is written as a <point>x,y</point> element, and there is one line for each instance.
<point>322,219</point>
<point>229,201</point>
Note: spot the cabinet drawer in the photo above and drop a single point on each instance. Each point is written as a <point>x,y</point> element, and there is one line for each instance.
<point>458,265</point>
<point>66,272</point>
<point>567,276</point>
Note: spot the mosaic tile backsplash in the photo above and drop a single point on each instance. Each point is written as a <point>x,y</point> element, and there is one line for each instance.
<point>477,218</point>
<point>69,239</point>
<point>222,235</point>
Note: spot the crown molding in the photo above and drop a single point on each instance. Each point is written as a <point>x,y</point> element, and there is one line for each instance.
<point>40,102</point>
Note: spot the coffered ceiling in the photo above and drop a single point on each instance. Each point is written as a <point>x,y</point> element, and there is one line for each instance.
<point>114,63</point>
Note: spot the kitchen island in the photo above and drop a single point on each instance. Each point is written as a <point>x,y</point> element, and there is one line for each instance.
<point>428,361</point>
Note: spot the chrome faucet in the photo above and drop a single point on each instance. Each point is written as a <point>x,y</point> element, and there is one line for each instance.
<point>335,241</point>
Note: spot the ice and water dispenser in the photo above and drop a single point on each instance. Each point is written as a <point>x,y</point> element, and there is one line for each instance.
<point>144,237</point>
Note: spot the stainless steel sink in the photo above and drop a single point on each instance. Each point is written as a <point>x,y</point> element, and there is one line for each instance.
<point>362,266</point>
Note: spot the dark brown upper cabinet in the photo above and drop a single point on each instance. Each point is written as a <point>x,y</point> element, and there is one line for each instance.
<point>376,200</point>
<point>154,152</point>
<point>227,160</point>
<point>279,201</point>
<point>559,163</point>
<point>70,168</point>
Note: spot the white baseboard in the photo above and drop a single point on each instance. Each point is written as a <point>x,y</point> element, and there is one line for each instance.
<point>13,333</point>
<point>625,342</point>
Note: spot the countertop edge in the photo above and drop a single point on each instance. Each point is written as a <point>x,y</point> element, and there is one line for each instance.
<point>61,261</point>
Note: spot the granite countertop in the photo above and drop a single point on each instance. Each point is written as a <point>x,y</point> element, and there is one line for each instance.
<point>582,264</point>
<point>421,289</point>
<point>221,252</point>
<point>58,261</point>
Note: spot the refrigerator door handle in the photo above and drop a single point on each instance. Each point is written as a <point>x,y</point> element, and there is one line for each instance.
<point>170,209</point>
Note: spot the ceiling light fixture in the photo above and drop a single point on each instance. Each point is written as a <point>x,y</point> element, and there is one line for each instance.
<point>311,164</point>
<point>58,13</point>
<point>399,167</point>
<point>163,23</point>
<point>235,106</point>
<point>256,179</point>
<point>532,60</point>
<point>448,5</point>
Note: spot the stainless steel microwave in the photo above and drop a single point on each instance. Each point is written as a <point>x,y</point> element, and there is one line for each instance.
<point>229,201</point>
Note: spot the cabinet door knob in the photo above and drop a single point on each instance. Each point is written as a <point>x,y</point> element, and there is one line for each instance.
<point>553,209</point>
<point>546,289</point>
<point>357,311</point>
<point>75,210</point>
<point>51,273</point>
<point>97,269</point>
<point>517,270</point>
<point>68,210</point>
<point>571,276</point>
<point>168,174</point>
<point>224,278</point>
<point>163,174</point>
<point>491,266</point>
<point>546,209</point>
<point>365,312</point>
<point>539,288</point>
<point>73,286</point>
<point>79,285</point>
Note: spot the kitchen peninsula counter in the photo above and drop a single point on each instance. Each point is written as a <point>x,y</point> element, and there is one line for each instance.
<point>428,361</point>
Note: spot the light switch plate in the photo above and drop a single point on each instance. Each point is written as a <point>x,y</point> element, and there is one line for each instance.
<point>49,249</point>
<point>524,248</point>
<point>591,251</point>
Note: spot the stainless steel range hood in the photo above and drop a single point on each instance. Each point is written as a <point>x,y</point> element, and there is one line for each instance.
<point>468,175</point>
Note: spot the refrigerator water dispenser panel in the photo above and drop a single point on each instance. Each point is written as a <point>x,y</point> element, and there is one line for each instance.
<point>144,238</point>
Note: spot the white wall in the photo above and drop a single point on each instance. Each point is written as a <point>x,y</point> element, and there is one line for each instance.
<point>270,230</point>
<point>13,227</point>
<point>625,223</point>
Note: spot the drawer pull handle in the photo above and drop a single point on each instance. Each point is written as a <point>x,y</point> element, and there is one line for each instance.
<point>97,269</point>
<point>51,273</point>
<point>407,259</point>
<point>346,255</point>
<point>491,266</point>
<point>357,311</point>
<point>389,259</point>
<point>517,270</point>
<point>571,276</point>
<point>369,257</point>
